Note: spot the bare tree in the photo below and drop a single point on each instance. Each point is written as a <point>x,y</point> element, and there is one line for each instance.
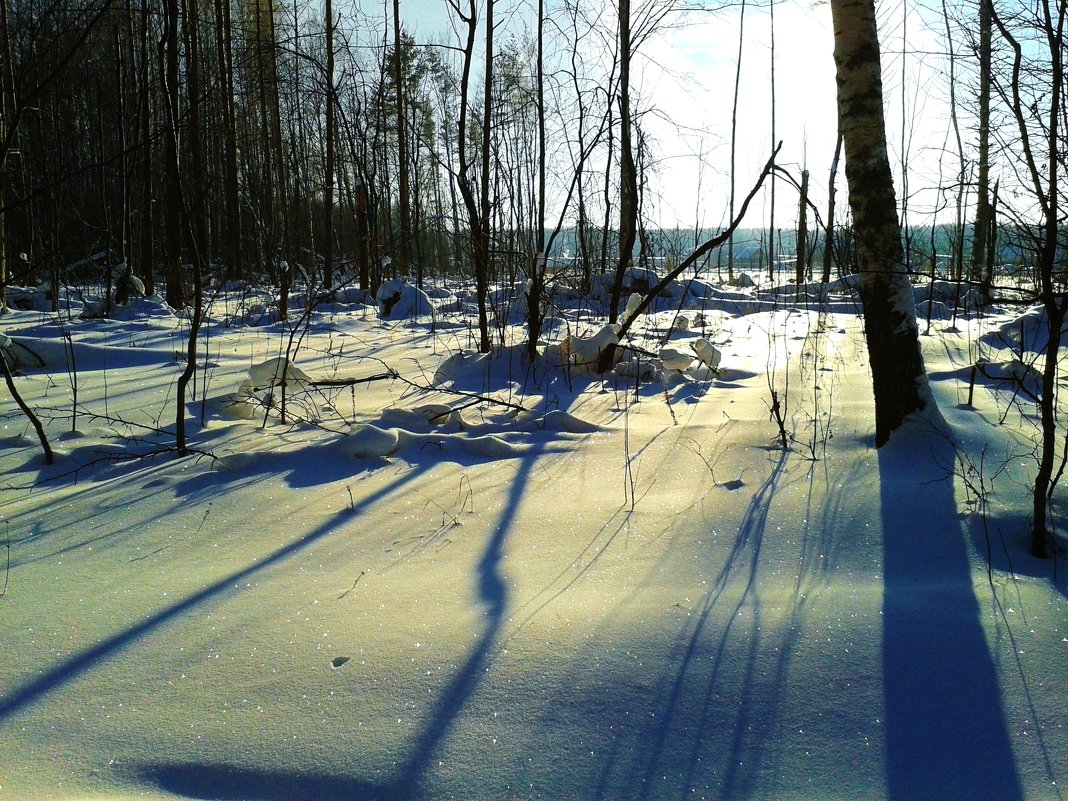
<point>478,209</point>
<point>898,375</point>
<point>172,211</point>
<point>628,179</point>
<point>832,197</point>
<point>981,241</point>
<point>1034,93</point>
<point>231,190</point>
<point>404,181</point>
<point>734,135</point>
<point>331,124</point>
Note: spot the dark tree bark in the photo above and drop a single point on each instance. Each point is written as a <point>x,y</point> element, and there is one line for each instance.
<point>231,189</point>
<point>26,410</point>
<point>981,240</point>
<point>6,103</point>
<point>898,376</point>
<point>478,209</point>
<point>172,191</point>
<point>363,235</point>
<point>628,177</point>
<point>828,237</point>
<point>146,249</point>
<point>540,258</point>
<point>328,185</point>
<point>403,178</point>
<point>801,265</point>
<point>195,200</point>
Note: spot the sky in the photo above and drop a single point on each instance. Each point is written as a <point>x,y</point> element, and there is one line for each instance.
<point>687,72</point>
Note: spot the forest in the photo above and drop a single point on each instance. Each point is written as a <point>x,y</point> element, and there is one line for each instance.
<point>513,399</point>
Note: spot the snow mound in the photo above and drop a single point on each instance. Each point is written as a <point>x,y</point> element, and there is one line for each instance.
<point>1028,332</point>
<point>1012,372</point>
<point>639,279</point>
<point>641,368</point>
<point>371,442</point>
<point>439,416</point>
<point>709,355</point>
<point>399,300</point>
<point>142,307</point>
<point>584,353</point>
<point>674,359</point>
<point>438,292</point>
<point>559,420</point>
<point>258,388</point>
<point>19,357</point>
<point>491,446</point>
<point>275,371</point>
<point>351,295</point>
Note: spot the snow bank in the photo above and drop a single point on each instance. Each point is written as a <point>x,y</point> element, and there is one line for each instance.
<point>399,300</point>
<point>1025,332</point>
<point>584,353</point>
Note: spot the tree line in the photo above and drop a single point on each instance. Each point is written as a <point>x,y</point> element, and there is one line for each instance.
<point>266,139</point>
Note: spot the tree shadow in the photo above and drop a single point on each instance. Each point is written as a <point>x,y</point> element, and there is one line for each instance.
<point>230,782</point>
<point>701,653</point>
<point>220,781</point>
<point>73,667</point>
<point>1003,542</point>
<point>493,595</point>
<point>946,732</point>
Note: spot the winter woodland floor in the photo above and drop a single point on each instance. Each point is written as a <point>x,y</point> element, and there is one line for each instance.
<point>625,590</point>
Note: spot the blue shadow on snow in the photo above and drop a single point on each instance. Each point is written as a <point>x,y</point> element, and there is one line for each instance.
<point>946,732</point>
<point>233,783</point>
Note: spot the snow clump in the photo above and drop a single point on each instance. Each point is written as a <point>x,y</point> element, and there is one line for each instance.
<point>708,354</point>
<point>399,300</point>
<point>585,352</point>
<point>675,359</point>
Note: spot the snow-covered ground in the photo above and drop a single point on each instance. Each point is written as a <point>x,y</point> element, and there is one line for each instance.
<point>446,575</point>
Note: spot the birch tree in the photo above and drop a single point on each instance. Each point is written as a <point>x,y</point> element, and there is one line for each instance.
<point>898,376</point>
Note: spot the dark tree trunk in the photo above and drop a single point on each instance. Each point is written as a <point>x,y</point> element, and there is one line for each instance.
<point>147,233</point>
<point>172,189</point>
<point>231,195</point>
<point>828,239</point>
<point>405,223</point>
<point>328,190</point>
<point>628,179</point>
<point>898,376</point>
<point>980,242</point>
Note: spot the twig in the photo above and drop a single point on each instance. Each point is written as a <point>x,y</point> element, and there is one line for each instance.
<point>351,382</point>
<point>119,457</point>
<point>393,375</point>
<point>467,499</point>
<point>7,568</point>
<point>350,589</point>
<point>667,400</point>
<point>49,458</point>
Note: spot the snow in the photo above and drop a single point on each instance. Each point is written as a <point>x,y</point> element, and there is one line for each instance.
<point>447,574</point>
<point>398,300</point>
<point>584,352</point>
<point>709,355</point>
<point>675,359</point>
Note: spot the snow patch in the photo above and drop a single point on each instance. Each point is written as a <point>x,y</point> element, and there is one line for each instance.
<point>399,300</point>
